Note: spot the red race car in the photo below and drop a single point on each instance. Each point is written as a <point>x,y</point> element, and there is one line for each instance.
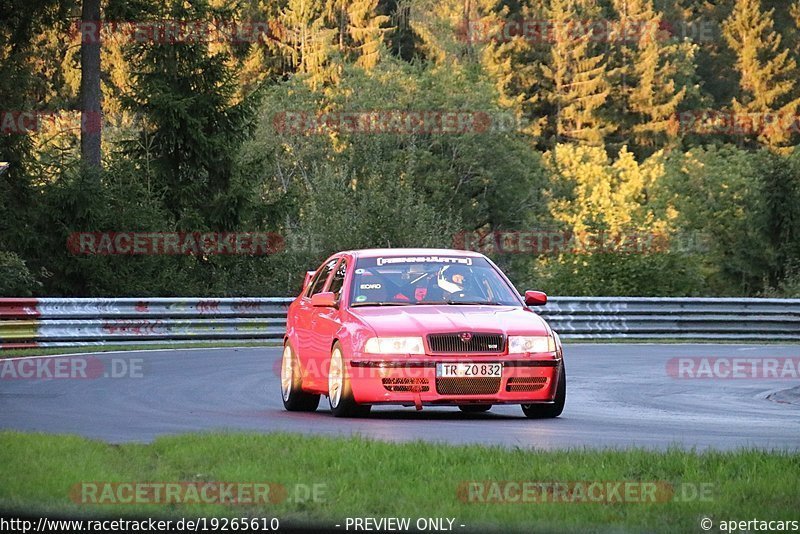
<point>418,327</point>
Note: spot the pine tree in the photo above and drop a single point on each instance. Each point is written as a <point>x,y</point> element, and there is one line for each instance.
<point>361,30</point>
<point>440,27</point>
<point>576,77</point>
<point>767,72</point>
<point>794,28</point>
<point>193,124</point>
<point>307,41</point>
<point>515,65</point>
<point>645,73</point>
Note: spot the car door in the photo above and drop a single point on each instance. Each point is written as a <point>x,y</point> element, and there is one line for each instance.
<point>327,321</point>
<point>306,314</point>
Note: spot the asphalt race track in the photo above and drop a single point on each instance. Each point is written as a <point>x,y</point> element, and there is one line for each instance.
<point>619,395</point>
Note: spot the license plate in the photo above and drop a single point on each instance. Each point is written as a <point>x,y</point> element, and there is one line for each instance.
<point>469,370</point>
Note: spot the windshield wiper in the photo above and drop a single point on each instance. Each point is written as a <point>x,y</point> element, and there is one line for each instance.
<point>355,304</point>
<point>472,303</point>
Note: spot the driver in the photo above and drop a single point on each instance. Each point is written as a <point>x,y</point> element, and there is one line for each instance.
<point>454,279</point>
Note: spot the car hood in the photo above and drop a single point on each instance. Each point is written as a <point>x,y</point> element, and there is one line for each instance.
<point>421,320</point>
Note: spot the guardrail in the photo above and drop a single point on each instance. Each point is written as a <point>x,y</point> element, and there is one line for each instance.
<point>58,322</point>
<point>61,322</point>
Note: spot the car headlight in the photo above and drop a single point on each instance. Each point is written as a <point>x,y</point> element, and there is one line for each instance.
<point>394,345</point>
<point>523,344</point>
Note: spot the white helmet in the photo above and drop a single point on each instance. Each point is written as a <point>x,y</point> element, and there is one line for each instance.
<point>449,285</point>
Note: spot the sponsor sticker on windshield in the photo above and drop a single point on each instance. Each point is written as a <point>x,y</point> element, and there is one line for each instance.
<point>369,286</point>
<point>424,259</point>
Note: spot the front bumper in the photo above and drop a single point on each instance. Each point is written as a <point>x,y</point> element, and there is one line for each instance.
<point>412,381</point>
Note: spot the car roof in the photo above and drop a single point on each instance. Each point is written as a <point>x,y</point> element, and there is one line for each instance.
<point>376,252</point>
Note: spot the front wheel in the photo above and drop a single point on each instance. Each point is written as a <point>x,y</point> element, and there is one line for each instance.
<point>294,398</point>
<point>340,396</point>
<point>548,411</point>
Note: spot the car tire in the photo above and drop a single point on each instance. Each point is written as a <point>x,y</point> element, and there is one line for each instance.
<point>294,398</point>
<point>475,408</point>
<point>340,395</point>
<point>548,411</point>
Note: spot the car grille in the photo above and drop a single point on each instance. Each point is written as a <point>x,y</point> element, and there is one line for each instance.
<point>526,383</point>
<point>454,343</point>
<point>415,385</point>
<point>467,386</point>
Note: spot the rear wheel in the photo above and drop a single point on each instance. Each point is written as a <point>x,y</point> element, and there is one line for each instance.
<point>548,411</point>
<point>294,398</point>
<point>340,396</point>
<point>475,408</point>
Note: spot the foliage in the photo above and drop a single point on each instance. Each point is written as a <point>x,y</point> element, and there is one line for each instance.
<point>604,274</point>
<point>566,128</point>
<point>767,72</point>
<point>193,126</point>
<point>15,278</point>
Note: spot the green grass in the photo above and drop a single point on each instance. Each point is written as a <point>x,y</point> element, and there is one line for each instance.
<point>46,351</point>
<point>377,479</point>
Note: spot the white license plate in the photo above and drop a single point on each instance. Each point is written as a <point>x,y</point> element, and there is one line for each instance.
<point>469,370</point>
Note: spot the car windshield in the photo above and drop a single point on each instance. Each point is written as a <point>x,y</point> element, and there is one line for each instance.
<point>404,280</point>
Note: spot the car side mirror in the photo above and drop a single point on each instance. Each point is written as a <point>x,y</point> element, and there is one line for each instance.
<point>326,299</point>
<point>535,298</point>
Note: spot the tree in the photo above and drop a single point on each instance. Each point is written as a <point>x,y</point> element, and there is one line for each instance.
<point>577,84</point>
<point>718,191</point>
<point>21,21</point>
<point>767,72</point>
<point>91,105</point>
<point>780,189</point>
<point>308,42</point>
<point>795,12</point>
<point>401,39</point>
<point>193,124</point>
<point>360,29</point>
<point>645,73</point>
<point>485,177</point>
<point>515,64</point>
<point>599,194</point>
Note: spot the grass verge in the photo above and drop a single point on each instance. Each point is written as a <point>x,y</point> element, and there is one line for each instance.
<point>376,479</point>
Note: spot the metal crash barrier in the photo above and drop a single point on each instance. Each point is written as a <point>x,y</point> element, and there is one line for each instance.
<point>60,322</point>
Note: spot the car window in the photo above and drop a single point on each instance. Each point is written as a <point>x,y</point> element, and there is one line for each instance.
<point>338,279</point>
<point>318,283</point>
<point>408,280</point>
